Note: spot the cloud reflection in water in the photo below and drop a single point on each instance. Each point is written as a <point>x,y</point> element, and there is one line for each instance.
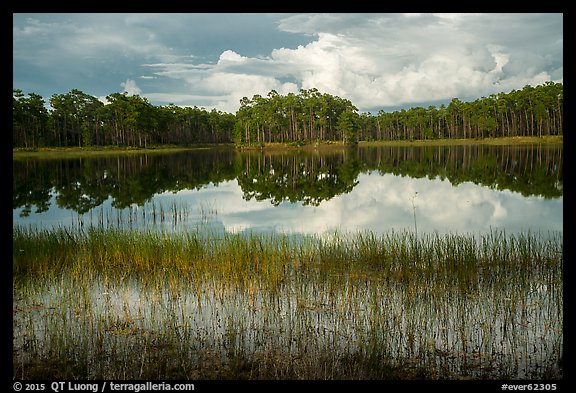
<point>382,203</point>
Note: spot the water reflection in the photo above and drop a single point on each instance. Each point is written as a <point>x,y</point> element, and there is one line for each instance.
<point>442,189</point>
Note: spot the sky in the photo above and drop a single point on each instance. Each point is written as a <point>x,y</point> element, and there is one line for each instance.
<point>377,61</point>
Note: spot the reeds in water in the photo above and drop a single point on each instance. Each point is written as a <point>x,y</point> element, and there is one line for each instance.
<point>113,303</point>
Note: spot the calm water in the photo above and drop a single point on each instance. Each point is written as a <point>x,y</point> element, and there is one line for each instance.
<point>489,329</point>
<point>463,189</point>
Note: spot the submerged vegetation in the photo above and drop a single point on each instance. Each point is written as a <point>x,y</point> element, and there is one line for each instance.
<point>111,303</point>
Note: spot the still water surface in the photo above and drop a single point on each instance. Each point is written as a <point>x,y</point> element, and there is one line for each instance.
<point>492,327</point>
<point>443,189</point>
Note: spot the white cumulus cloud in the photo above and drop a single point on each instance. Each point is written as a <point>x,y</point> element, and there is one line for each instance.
<point>130,87</point>
<point>390,60</point>
<point>374,60</point>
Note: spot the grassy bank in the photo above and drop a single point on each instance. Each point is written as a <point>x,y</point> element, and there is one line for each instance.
<point>63,152</point>
<point>516,140</point>
<point>119,304</point>
<point>103,150</point>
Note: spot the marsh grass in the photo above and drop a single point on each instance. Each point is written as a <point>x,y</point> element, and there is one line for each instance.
<point>113,303</point>
<point>156,214</point>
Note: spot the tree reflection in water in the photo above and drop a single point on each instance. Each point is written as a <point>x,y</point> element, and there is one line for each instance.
<point>306,178</point>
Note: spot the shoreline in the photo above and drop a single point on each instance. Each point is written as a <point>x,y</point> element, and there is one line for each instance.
<point>92,150</point>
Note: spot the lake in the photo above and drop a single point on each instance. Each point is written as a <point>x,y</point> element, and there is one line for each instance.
<point>444,189</point>
<point>436,262</point>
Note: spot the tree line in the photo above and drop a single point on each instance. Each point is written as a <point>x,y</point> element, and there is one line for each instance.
<point>532,111</point>
<point>79,119</point>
